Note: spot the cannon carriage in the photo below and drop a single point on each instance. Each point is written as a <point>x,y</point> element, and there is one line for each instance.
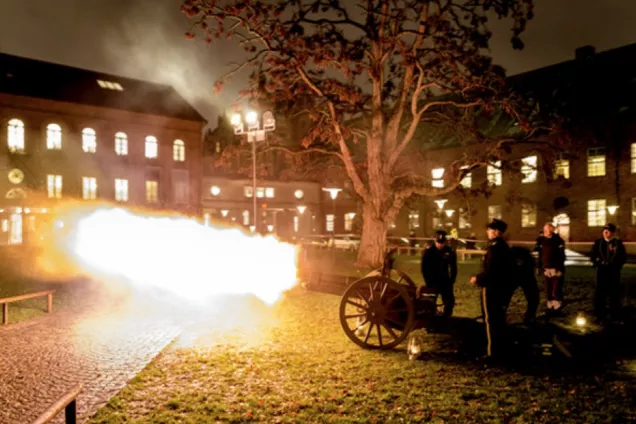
<point>379,310</point>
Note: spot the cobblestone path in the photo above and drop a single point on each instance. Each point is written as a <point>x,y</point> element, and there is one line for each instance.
<point>102,344</point>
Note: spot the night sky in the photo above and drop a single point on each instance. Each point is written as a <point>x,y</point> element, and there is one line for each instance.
<point>144,39</point>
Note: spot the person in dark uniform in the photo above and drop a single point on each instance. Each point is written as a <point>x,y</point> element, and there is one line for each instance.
<point>439,269</point>
<point>524,276</point>
<point>552,259</point>
<point>494,282</point>
<point>537,248</point>
<point>608,257</point>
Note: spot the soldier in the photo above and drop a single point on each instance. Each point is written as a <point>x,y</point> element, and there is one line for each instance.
<point>552,260</point>
<point>608,257</point>
<point>494,282</point>
<point>524,277</point>
<point>439,269</point>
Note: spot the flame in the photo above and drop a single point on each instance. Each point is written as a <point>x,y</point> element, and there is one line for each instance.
<point>177,254</point>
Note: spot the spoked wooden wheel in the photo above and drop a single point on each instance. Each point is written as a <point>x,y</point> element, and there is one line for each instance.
<point>396,275</point>
<point>376,313</point>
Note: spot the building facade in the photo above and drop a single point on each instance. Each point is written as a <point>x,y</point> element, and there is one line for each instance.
<point>74,134</point>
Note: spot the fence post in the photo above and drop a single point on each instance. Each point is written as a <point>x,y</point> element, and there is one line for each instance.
<point>70,412</point>
<point>49,305</point>
<point>5,313</point>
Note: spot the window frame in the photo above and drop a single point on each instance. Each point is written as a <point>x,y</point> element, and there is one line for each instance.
<point>151,147</point>
<point>15,129</point>
<point>53,136</point>
<point>89,191</point>
<point>593,214</point>
<point>596,152</point>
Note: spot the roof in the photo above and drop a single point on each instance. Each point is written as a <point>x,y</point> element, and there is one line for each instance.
<point>44,80</point>
<point>588,87</point>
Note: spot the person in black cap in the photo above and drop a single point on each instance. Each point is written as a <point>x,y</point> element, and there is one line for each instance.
<point>524,276</point>
<point>608,257</point>
<point>494,282</point>
<point>439,269</point>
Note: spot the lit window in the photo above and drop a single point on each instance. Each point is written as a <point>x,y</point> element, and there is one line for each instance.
<point>414,220</point>
<point>121,190</point>
<point>329,221</point>
<point>529,169</point>
<point>260,192</point>
<point>494,211</point>
<point>596,213</point>
<point>89,140</point>
<point>464,219</point>
<point>633,156</point>
<point>152,147</point>
<point>295,224</point>
<point>15,139</point>
<point>246,217</point>
<point>178,151</point>
<point>218,147</point>
<point>633,210</point>
<point>53,137</point>
<point>89,188</point>
<point>109,85</point>
<point>121,144</point>
<point>15,233</point>
<point>248,191</point>
<point>596,162</point>
<point>562,168</point>
<point>54,186</point>
<point>528,216</point>
<point>438,174</point>
<point>269,192</point>
<point>348,221</point>
<point>493,173</point>
<point>152,191</point>
<point>467,181</point>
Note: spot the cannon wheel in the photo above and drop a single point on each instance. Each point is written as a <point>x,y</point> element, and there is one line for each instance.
<point>376,313</point>
<point>402,278</point>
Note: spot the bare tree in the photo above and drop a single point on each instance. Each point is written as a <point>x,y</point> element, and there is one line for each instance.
<point>383,76</point>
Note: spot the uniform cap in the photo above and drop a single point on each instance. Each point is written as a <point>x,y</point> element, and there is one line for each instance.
<point>610,227</point>
<point>498,224</point>
<point>440,236</point>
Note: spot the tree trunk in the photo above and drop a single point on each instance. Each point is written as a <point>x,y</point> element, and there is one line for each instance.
<point>373,241</point>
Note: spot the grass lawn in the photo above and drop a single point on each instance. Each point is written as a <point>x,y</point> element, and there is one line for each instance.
<point>293,363</point>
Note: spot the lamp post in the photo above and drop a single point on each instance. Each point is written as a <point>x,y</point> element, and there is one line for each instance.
<point>333,192</point>
<point>255,132</point>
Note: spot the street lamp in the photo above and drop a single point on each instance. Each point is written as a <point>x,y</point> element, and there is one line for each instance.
<point>215,190</point>
<point>255,132</point>
<point>333,192</point>
<point>301,209</point>
<point>449,212</point>
<point>612,209</point>
<point>224,212</point>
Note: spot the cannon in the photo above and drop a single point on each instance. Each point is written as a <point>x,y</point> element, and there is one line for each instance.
<point>379,310</point>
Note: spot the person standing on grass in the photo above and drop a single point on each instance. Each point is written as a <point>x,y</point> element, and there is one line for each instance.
<point>608,257</point>
<point>552,259</point>
<point>494,283</point>
<point>439,269</point>
<point>524,277</point>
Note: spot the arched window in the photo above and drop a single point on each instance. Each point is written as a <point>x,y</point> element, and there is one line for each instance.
<point>89,140</point>
<point>121,144</point>
<point>53,137</point>
<point>152,147</point>
<point>178,151</point>
<point>15,137</point>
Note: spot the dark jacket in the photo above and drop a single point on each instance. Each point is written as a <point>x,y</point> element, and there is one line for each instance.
<point>497,266</point>
<point>439,266</point>
<point>552,253</point>
<point>523,263</point>
<point>608,253</point>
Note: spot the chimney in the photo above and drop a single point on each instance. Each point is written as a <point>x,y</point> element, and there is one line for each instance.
<point>584,53</point>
